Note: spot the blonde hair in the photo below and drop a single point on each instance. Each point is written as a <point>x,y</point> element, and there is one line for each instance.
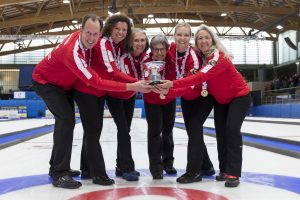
<point>183,24</point>
<point>216,42</point>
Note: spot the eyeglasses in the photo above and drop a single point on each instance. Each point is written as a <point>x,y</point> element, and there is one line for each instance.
<point>156,50</point>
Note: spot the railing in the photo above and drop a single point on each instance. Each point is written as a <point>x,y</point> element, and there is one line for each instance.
<point>281,96</point>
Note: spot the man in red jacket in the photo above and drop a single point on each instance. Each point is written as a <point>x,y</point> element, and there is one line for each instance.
<point>53,78</point>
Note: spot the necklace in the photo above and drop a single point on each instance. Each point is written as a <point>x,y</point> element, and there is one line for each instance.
<point>133,66</point>
<point>179,74</point>
<point>83,53</point>
<point>116,57</point>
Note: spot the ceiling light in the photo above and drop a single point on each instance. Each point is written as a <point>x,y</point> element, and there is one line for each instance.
<point>279,27</point>
<point>223,14</point>
<point>9,70</point>
<point>112,13</point>
<point>75,21</point>
<point>66,1</point>
<point>150,16</point>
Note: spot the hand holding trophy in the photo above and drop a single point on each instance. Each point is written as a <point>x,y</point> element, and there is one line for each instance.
<point>152,72</point>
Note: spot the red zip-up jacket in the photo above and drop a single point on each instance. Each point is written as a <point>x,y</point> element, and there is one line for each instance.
<point>224,81</point>
<point>131,67</point>
<point>154,98</point>
<point>105,66</point>
<point>69,62</point>
<point>192,63</point>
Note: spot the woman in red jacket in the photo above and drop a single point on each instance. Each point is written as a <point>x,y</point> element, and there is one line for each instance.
<point>160,116</point>
<point>183,58</point>
<point>231,92</point>
<point>121,104</point>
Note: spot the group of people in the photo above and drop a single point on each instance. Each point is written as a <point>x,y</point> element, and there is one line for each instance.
<point>106,64</point>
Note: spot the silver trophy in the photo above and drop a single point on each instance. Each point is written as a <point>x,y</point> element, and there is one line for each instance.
<point>152,71</point>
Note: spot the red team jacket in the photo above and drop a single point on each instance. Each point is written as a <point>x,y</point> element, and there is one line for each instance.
<point>68,63</point>
<point>104,64</point>
<point>154,98</point>
<point>132,67</point>
<point>192,63</point>
<point>224,81</point>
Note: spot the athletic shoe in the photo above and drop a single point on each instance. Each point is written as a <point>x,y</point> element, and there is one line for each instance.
<point>66,181</point>
<point>189,177</point>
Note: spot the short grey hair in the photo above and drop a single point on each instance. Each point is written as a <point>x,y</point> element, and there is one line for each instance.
<point>216,42</point>
<point>159,39</point>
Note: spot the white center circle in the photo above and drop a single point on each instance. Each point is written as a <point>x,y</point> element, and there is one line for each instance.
<point>148,197</point>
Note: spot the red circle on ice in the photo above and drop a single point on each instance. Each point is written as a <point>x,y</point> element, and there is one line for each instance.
<point>176,193</point>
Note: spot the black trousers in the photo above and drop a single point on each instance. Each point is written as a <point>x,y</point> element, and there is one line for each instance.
<point>195,113</point>
<point>122,113</point>
<point>228,121</point>
<point>160,119</point>
<point>61,105</point>
<point>91,110</point>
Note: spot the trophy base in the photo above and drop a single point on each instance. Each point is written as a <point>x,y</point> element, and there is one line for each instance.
<point>155,82</point>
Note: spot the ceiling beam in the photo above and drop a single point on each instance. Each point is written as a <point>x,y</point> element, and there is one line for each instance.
<point>12,2</point>
<point>278,21</point>
<point>3,53</point>
<point>61,16</point>
<point>210,9</point>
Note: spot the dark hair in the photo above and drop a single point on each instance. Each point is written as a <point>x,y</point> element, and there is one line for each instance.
<point>94,18</point>
<point>110,23</point>
<point>159,39</point>
<point>134,31</point>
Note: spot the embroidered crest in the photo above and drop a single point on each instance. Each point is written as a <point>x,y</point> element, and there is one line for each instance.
<point>193,71</point>
<point>212,62</point>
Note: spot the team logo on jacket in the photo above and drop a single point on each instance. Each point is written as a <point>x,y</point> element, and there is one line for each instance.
<point>193,71</point>
<point>212,62</point>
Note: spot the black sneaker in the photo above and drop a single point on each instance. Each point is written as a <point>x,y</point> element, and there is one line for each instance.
<point>130,176</point>
<point>103,180</point>
<point>119,172</point>
<point>71,172</point>
<point>189,177</point>
<point>221,177</point>
<point>85,175</point>
<point>170,170</point>
<point>208,172</point>
<point>66,181</point>
<point>157,176</point>
<point>232,181</point>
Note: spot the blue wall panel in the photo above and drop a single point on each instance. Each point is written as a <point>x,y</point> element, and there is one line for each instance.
<point>25,78</point>
<point>35,108</point>
<point>139,103</point>
<point>276,110</point>
<point>32,95</point>
<point>295,111</point>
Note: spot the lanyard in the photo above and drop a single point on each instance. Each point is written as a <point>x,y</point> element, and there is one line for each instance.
<point>83,53</point>
<point>179,74</point>
<point>116,57</point>
<point>133,66</point>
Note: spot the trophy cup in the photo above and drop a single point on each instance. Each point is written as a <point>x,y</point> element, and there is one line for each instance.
<point>152,71</point>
